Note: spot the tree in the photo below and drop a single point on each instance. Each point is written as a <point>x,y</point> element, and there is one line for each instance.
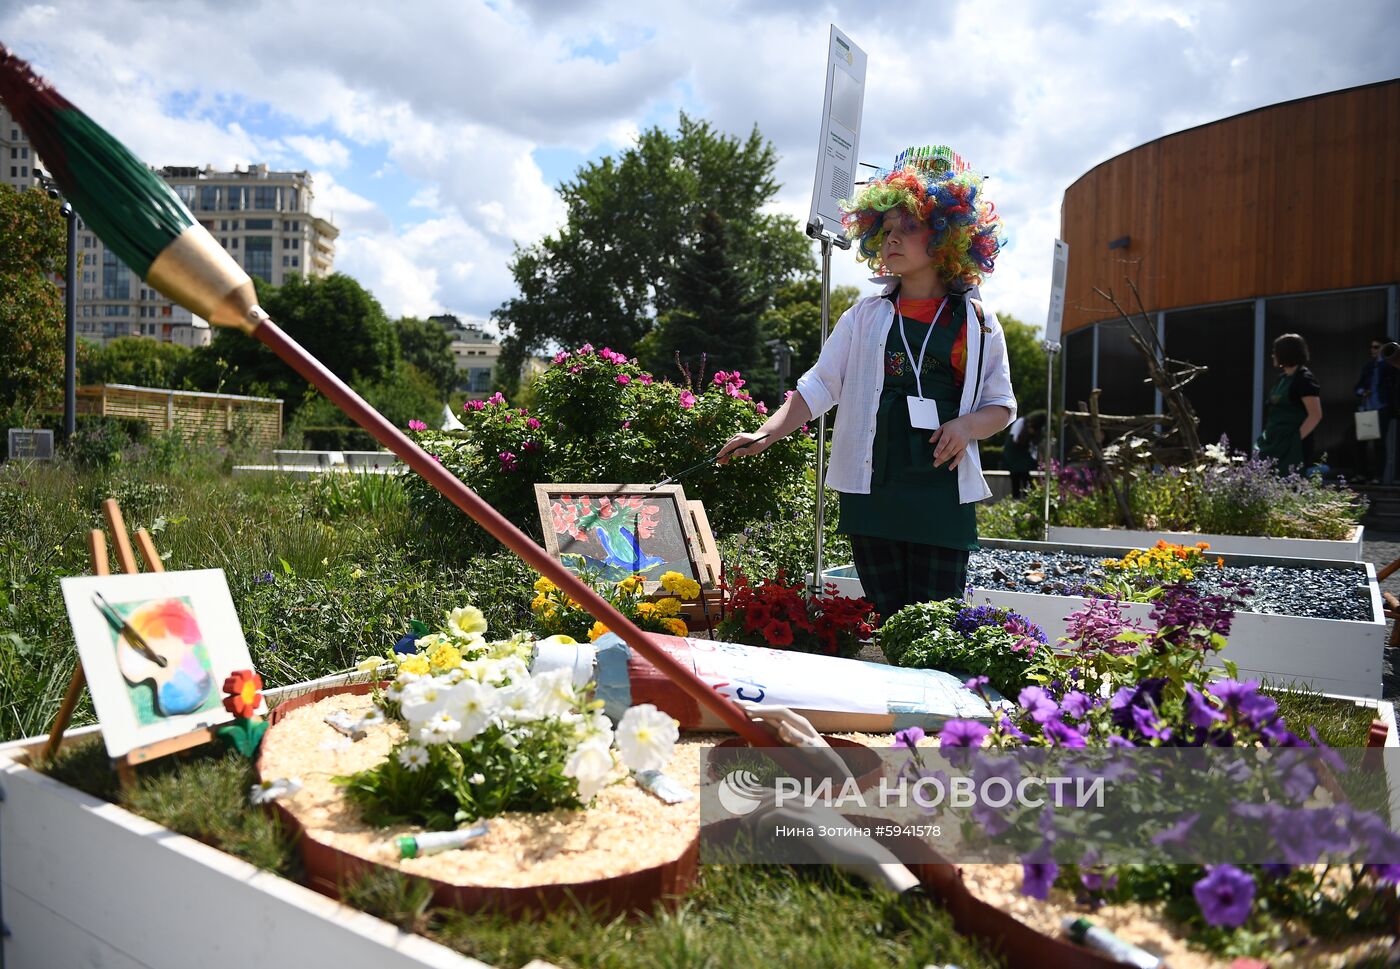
<point>715,316</point>
<point>427,346</point>
<point>1027,359</point>
<point>32,248</point>
<point>796,320</point>
<point>138,360</point>
<point>611,270</point>
<point>335,318</point>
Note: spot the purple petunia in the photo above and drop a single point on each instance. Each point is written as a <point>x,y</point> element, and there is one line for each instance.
<point>1225,896</point>
<point>1038,703</point>
<point>1199,710</point>
<point>1077,704</point>
<point>909,737</point>
<point>963,733</point>
<point>1061,734</point>
<point>1038,871</point>
<point>976,684</point>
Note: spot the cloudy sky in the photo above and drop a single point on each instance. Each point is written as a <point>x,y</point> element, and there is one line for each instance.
<point>437,131</point>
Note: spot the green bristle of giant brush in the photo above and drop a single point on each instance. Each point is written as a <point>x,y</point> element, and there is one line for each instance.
<point>129,207</point>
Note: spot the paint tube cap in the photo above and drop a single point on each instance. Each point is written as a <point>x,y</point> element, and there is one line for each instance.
<point>408,846</point>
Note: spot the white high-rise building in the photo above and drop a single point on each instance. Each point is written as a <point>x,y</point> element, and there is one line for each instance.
<point>263,218</point>
<point>17,158</point>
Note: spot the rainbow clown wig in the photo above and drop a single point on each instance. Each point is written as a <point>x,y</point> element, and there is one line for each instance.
<point>945,195</point>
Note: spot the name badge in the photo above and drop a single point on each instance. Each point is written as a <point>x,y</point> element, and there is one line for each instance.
<point>923,413</point>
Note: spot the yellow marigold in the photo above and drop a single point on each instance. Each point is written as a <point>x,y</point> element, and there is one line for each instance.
<point>544,586</point>
<point>1220,563</point>
<point>415,664</point>
<point>538,602</point>
<point>676,627</point>
<point>598,630</point>
<point>667,606</point>
<point>646,609</point>
<point>679,585</point>
<point>630,584</point>
<point>445,657</point>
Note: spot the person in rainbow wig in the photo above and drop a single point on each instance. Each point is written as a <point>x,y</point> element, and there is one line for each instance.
<point>921,375</point>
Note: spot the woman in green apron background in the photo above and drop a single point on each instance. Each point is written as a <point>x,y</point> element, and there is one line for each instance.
<point>1294,408</point>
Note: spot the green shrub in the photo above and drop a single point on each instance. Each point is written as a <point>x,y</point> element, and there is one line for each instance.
<point>968,640</point>
<point>601,419</point>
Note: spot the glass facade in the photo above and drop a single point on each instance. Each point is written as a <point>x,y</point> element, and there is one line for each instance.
<point>1123,373</point>
<point>265,197</point>
<point>1223,396</point>
<point>257,257</point>
<point>116,278</point>
<point>1079,367</point>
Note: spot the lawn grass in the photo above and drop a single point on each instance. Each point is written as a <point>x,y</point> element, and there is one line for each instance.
<point>1339,723</point>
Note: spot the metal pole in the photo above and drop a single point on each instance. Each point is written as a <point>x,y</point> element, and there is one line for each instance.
<point>1045,476</point>
<point>817,582</point>
<point>70,331</point>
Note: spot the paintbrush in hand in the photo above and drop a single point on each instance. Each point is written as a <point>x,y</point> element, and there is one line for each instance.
<point>148,227</point>
<point>703,464</point>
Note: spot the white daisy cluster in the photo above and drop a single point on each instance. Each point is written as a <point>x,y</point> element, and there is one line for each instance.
<point>458,686</point>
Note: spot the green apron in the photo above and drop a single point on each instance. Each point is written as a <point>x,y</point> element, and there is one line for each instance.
<point>1280,439</point>
<point>910,500</point>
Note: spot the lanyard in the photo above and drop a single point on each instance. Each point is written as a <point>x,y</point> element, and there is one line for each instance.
<point>918,368</point>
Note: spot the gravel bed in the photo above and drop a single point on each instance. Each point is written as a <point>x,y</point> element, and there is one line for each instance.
<point>1314,593</point>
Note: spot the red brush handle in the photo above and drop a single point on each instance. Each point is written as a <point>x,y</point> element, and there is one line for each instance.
<point>513,538</point>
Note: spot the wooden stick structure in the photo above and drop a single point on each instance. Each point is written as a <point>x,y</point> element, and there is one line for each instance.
<point>126,557</point>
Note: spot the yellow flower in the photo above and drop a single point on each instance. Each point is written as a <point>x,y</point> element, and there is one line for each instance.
<point>445,657</point>
<point>677,627</point>
<point>415,664</point>
<point>466,622</point>
<point>646,609</point>
<point>630,584</point>
<point>598,630</point>
<point>544,586</point>
<point>370,664</point>
<point>667,607</point>
<point>679,585</point>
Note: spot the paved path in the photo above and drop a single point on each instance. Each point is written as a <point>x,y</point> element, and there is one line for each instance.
<point>1380,549</point>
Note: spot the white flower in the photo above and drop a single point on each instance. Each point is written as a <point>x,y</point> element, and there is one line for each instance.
<point>373,717</point>
<point>413,757</point>
<point>589,765</point>
<point>473,705</point>
<point>466,622</point>
<point>597,727</point>
<point>421,700</point>
<point>270,790</point>
<point>440,728</point>
<point>554,693</point>
<point>509,741</point>
<point>646,737</point>
<point>477,778</point>
<point>518,703</point>
<point>511,669</point>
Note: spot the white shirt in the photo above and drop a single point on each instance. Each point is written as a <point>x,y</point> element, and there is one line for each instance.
<point>851,372</point>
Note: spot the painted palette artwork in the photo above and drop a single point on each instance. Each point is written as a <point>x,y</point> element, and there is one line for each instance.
<point>156,649</point>
<point>613,531</point>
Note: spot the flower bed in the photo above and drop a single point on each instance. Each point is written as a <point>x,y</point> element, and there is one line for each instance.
<point>1343,550</point>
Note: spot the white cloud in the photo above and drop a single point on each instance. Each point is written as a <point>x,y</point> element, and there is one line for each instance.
<point>322,152</point>
<point>441,107</point>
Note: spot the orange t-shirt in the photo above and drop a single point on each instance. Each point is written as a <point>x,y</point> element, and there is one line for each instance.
<point>924,311</point>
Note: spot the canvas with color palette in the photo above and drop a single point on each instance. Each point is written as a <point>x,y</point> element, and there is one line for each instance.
<point>613,531</point>
<point>169,681</point>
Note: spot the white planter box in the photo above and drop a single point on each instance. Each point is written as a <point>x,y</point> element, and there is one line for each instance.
<point>85,883</point>
<point>1336,656</point>
<point>1342,550</point>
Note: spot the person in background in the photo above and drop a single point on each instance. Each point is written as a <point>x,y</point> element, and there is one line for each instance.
<point>1019,453</point>
<point>1375,390</point>
<point>921,374</point>
<point>1294,408</point>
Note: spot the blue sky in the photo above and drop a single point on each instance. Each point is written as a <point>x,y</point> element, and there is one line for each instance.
<point>437,131</point>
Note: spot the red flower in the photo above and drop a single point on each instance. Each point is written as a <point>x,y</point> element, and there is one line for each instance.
<point>244,698</point>
<point>778,633</point>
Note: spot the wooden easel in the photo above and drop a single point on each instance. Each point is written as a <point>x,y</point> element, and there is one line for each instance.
<point>126,558</point>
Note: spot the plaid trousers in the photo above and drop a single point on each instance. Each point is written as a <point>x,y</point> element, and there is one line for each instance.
<point>896,574</point>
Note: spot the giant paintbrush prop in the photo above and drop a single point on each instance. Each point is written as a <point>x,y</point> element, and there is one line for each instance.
<point>149,228</point>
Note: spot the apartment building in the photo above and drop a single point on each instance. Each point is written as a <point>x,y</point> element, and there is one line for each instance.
<point>263,218</point>
<point>474,351</point>
<point>17,158</point>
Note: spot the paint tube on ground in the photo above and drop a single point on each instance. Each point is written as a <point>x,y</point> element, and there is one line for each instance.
<point>342,722</point>
<point>436,842</point>
<point>836,695</point>
<point>667,789</point>
<point>1091,936</point>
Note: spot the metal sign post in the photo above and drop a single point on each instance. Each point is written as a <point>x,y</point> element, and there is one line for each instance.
<point>1054,320</point>
<point>835,181</point>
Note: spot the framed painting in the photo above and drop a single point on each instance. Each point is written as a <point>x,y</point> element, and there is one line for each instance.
<point>613,530</point>
<point>156,648</point>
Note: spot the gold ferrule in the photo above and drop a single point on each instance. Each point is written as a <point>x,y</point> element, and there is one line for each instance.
<point>197,273</point>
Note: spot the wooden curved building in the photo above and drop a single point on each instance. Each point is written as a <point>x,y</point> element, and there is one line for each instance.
<point>1283,219</point>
